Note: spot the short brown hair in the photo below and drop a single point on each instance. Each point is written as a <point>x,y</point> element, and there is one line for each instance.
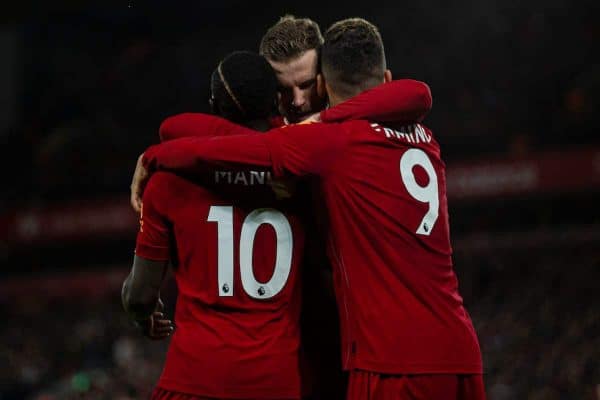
<point>289,38</point>
<point>352,57</point>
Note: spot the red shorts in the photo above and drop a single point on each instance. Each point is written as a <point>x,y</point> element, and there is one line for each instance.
<point>363,385</point>
<point>163,394</point>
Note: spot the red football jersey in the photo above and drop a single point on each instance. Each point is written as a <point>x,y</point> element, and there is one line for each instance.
<point>384,194</point>
<point>236,267</point>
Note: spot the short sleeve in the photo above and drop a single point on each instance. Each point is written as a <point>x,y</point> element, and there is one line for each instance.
<point>153,237</point>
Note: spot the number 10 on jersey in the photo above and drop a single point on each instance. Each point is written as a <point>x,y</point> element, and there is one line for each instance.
<point>223,216</point>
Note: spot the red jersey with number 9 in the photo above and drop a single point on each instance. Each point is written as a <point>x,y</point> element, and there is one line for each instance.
<point>384,192</point>
<point>236,266</point>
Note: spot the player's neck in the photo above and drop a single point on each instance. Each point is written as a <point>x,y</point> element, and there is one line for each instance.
<point>261,125</point>
<point>342,96</point>
<point>335,99</point>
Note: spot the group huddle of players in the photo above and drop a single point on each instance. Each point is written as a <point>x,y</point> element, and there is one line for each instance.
<point>312,149</point>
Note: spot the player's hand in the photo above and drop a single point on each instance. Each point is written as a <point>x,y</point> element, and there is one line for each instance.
<point>157,326</point>
<point>316,117</point>
<point>161,327</point>
<point>283,188</point>
<point>140,176</point>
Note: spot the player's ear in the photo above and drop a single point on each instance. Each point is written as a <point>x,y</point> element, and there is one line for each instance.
<point>387,76</point>
<point>321,89</point>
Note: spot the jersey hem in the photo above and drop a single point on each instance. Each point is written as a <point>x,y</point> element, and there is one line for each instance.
<point>408,369</point>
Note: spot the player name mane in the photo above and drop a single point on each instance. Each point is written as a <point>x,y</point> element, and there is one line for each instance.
<point>414,133</point>
<point>246,178</point>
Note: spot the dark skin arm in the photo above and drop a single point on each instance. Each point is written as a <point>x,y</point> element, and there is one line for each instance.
<point>140,296</point>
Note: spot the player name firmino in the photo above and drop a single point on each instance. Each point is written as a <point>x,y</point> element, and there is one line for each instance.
<point>414,133</point>
<point>246,178</point>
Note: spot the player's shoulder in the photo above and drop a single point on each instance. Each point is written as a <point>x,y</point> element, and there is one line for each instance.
<point>169,192</point>
<point>356,129</point>
<point>188,124</point>
<point>314,128</point>
<point>160,178</point>
<point>355,124</point>
<point>163,183</point>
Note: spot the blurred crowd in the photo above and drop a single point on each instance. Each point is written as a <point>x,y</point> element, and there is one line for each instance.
<point>537,319</point>
<point>538,323</point>
<point>506,79</point>
<point>66,349</point>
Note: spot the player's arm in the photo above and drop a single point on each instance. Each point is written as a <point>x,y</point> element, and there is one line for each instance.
<point>141,290</point>
<point>199,156</point>
<point>401,101</point>
<point>298,150</point>
<point>181,126</point>
<point>140,294</point>
<point>198,125</point>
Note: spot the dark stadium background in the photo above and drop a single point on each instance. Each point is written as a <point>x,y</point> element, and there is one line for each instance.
<point>516,102</point>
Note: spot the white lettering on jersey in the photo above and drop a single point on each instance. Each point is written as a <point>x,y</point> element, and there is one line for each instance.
<point>414,133</point>
<point>245,178</point>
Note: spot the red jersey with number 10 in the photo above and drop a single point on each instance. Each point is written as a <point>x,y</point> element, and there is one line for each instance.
<point>236,267</point>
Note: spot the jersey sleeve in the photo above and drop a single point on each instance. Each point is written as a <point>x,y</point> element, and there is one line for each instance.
<point>198,125</point>
<point>152,241</point>
<point>401,101</point>
<point>200,156</point>
<point>294,150</point>
<point>308,149</point>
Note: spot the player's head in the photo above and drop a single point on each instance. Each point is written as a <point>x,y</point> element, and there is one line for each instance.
<point>292,48</point>
<point>243,88</point>
<point>352,59</point>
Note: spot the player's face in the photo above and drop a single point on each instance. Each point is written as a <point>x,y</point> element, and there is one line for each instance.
<point>297,86</point>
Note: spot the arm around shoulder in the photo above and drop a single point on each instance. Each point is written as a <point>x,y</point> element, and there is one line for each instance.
<point>399,101</point>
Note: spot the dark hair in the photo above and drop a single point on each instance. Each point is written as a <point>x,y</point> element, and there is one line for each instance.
<point>289,38</point>
<point>352,57</point>
<point>244,87</point>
